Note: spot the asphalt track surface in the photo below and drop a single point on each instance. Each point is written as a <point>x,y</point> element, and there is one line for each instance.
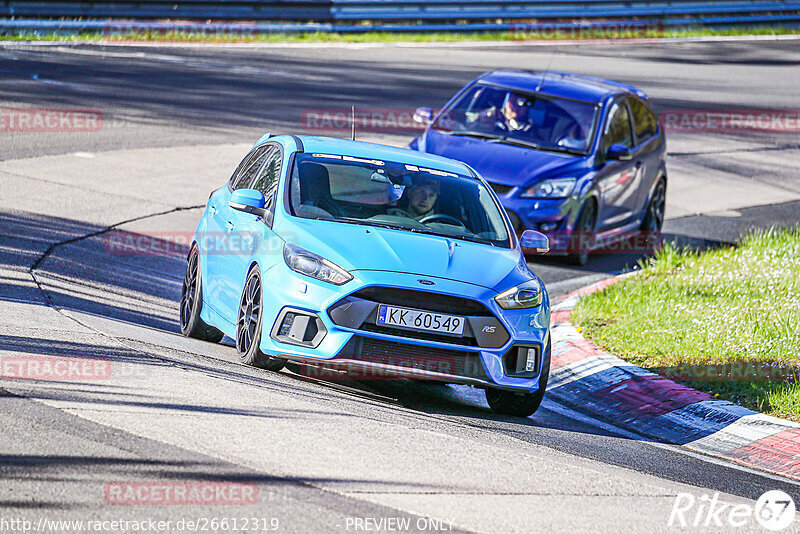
<point>176,120</point>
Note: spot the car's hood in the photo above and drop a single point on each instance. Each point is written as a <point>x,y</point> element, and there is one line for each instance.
<point>496,162</point>
<point>357,247</point>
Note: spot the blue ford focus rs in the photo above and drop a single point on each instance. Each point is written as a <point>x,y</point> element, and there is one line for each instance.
<point>375,261</point>
<point>578,158</point>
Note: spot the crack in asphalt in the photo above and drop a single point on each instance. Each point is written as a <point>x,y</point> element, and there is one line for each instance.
<point>102,231</point>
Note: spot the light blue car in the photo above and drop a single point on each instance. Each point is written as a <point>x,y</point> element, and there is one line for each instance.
<point>372,261</point>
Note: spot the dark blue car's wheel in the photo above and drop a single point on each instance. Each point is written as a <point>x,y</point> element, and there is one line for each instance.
<point>520,404</point>
<point>582,236</point>
<point>654,217</point>
<point>248,325</point>
<point>192,303</point>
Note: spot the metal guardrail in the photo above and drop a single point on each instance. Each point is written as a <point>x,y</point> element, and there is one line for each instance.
<point>385,15</point>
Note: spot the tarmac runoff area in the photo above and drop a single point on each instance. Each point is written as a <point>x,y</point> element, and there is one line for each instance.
<point>300,442</point>
<point>324,457</point>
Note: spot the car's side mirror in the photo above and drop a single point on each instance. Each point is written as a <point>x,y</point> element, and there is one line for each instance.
<point>535,240</point>
<point>619,152</point>
<point>423,115</point>
<point>249,201</point>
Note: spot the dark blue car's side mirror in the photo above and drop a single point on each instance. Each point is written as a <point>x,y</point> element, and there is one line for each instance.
<point>249,201</point>
<point>537,241</point>
<point>619,152</point>
<point>423,115</point>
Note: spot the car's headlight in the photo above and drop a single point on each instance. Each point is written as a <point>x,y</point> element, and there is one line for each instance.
<point>527,295</point>
<point>305,262</point>
<point>558,188</point>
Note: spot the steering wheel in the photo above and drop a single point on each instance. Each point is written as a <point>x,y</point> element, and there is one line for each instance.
<point>443,217</point>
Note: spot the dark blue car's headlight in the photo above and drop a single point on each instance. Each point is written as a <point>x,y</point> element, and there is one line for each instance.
<point>305,262</point>
<point>556,188</point>
<point>526,295</point>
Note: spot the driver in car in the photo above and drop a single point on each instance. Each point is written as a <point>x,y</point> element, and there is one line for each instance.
<point>418,199</point>
<point>515,114</point>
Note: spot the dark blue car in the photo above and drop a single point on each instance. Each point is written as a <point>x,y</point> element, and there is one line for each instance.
<point>578,158</point>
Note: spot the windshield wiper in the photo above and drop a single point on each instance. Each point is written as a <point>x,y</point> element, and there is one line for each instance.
<point>364,222</point>
<point>516,142</point>
<point>367,222</point>
<point>530,144</point>
<point>477,135</point>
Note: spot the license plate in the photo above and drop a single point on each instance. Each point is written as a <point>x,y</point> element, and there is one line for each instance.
<point>420,320</point>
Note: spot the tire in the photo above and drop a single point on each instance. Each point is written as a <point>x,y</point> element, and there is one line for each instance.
<point>248,325</point>
<point>520,404</point>
<point>654,216</point>
<point>582,233</point>
<point>192,303</point>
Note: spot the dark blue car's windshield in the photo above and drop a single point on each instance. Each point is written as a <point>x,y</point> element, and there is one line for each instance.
<point>395,195</point>
<point>538,121</point>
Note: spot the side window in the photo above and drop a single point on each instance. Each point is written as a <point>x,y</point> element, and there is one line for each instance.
<point>249,167</point>
<point>619,127</point>
<point>644,121</point>
<point>267,180</point>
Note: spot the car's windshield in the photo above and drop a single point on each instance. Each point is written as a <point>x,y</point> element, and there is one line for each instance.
<point>535,120</point>
<point>395,195</point>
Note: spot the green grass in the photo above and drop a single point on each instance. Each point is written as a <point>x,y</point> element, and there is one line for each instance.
<point>387,37</point>
<point>733,308</point>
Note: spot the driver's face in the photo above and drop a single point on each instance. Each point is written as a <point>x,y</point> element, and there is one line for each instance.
<point>422,199</point>
<point>514,109</point>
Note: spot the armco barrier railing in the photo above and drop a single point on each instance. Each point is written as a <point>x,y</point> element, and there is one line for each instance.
<point>389,15</point>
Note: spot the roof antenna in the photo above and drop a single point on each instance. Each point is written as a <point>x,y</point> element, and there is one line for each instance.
<point>352,123</point>
<point>544,74</point>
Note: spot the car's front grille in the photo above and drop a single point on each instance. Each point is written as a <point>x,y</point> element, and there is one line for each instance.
<point>427,336</point>
<point>418,358</point>
<point>501,189</point>
<point>423,300</point>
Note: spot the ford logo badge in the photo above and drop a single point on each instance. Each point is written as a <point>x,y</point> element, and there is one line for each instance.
<point>426,282</point>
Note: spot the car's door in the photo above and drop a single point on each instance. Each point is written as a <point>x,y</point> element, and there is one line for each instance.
<point>246,232</point>
<point>645,153</point>
<point>213,243</point>
<point>617,179</point>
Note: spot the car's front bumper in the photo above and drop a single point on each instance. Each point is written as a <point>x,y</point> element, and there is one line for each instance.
<point>350,341</point>
<point>553,217</point>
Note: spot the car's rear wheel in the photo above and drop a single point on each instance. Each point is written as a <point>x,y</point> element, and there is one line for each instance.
<point>248,325</point>
<point>520,404</point>
<point>582,235</point>
<point>192,303</point>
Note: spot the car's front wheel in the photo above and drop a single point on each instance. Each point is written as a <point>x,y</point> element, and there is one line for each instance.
<point>248,325</point>
<point>520,404</point>
<point>654,216</point>
<point>192,303</point>
<point>582,236</point>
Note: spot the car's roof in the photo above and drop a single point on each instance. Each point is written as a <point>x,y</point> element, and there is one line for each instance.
<point>361,149</point>
<point>564,84</point>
